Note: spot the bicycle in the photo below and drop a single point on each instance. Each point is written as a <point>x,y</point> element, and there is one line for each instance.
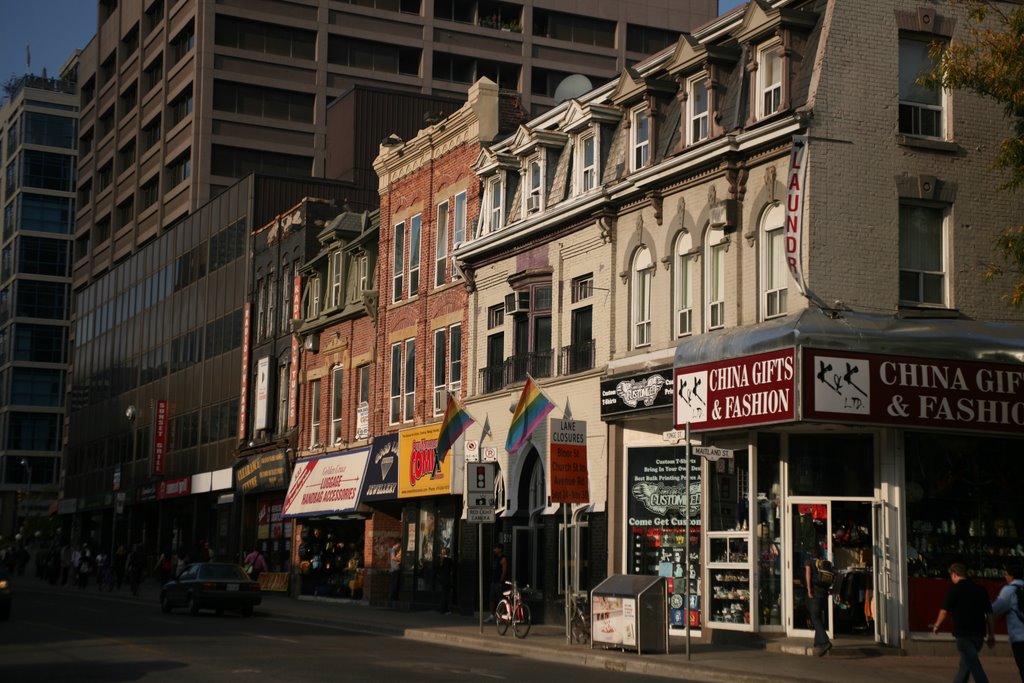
<point>512,611</point>
<point>579,618</point>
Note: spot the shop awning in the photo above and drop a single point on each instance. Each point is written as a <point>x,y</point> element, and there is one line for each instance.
<point>947,338</point>
<point>326,485</point>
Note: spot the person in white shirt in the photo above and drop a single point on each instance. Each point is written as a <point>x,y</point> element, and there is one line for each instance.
<point>1008,603</point>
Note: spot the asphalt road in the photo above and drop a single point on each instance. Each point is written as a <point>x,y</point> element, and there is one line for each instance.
<point>63,634</point>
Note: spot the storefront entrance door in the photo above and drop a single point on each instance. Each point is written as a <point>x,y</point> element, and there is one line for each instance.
<point>843,530</point>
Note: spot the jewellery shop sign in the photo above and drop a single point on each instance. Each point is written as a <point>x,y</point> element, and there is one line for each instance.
<point>843,386</point>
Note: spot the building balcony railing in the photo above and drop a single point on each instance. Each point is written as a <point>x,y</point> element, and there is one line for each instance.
<point>514,369</point>
<point>576,358</point>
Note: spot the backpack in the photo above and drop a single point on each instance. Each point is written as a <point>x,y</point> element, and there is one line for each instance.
<point>824,574</point>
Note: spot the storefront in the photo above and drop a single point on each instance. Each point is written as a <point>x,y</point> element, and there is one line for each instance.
<point>260,482</point>
<point>892,445</point>
<point>323,499</point>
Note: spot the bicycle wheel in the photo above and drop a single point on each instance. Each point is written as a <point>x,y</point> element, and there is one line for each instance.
<point>580,632</point>
<point>502,617</point>
<point>521,624</point>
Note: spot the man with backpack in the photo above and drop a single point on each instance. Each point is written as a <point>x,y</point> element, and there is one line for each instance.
<point>818,579</point>
<point>1010,602</point>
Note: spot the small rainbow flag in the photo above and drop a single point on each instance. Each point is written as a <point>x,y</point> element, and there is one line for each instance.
<point>456,421</point>
<point>531,410</point>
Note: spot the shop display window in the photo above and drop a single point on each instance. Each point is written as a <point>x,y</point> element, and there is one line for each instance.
<point>850,471</point>
<point>963,505</point>
<point>729,589</point>
<point>658,536</point>
<point>769,530</point>
<point>331,559</point>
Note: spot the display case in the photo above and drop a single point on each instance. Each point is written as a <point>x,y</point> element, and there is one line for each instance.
<point>729,594</point>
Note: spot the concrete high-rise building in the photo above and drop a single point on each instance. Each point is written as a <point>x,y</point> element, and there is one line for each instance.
<point>181,98</point>
<point>38,124</point>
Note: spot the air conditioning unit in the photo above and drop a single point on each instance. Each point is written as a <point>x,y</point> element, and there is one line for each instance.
<point>532,204</point>
<point>517,302</point>
<point>311,343</point>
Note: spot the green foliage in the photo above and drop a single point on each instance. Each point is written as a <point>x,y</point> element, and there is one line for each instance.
<point>990,62</point>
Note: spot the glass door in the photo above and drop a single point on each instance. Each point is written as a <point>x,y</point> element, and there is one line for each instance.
<point>810,528</point>
<point>853,598</point>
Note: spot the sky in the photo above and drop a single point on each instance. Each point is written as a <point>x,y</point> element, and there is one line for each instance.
<point>52,28</point>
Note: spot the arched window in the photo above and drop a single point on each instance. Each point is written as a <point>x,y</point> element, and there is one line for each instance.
<point>643,272</point>
<point>683,286</point>
<point>714,272</point>
<point>775,274</point>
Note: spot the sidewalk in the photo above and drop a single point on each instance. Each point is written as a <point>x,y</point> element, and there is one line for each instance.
<point>716,663</point>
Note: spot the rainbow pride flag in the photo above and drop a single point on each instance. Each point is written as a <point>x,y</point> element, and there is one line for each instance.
<point>531,410</point>
<point>456,421</point>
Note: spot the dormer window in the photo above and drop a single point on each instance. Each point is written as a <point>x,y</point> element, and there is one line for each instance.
<point>769,80</point>
<point>336,279</point>
<point>496,203</point>
<point>535,186</point>
<point>697,109</point>
<point>640,138</point>
<point>314,297</point>
<point>588,163</point>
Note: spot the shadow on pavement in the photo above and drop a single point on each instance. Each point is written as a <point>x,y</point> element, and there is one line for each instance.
<point>86,671</point>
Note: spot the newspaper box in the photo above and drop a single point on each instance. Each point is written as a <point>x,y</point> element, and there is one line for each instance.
<point>630,612</point>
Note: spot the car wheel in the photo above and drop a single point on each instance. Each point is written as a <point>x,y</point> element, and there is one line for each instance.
<point>193,606</point>
<point>165,604</point>
<point>247,611</point>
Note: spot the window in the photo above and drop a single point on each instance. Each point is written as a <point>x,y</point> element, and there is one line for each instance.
<point>126,157</point>
<point>398,264</point>
<point>314,413</point>
<point>42,256</point>
<point>920,106</point>
<point>492,376</point>
<point>715,273</point>
<point>85,143</point>
<point>179,170</point>
<point>649,40</point>
<point>336,395</point>
<point>640,138</point>
<point>579,356</point>
<point>46,214</point>
<point>588,163</point>
<point>314,297</point>
<point>441,250</point>
<point>106,123</point>
<point>769,80</point>
<point>697,110</point>
<point>531,331</point>
<point>104,176</point>
<point>683,287</point>
<point>48,130</point>
<point>271,303</point>
<point>459,226</point>
<point>286,297</point>
<point>575,28</point>
<point>148,193</point>
<point>125,212</point>
<point>129,98</point>
<point>776,273</point>
<point>414,255</point>
<point>922,273</point>
<point>283,387</point>
<point>336,279</point>
<point>261,307</point>
<point>179,108</point>
<point>182,44</point>
<point>440,370</point>
<point>643,274</point>
<point>47,170</point>
<point>253,100</point>
<point>395,408</point>
<point>494,190</point>
<point>374,56</point>
<point>153,74</point>
<point>455,359</point>
<point>364,273</point>
<point>362,413</point>
<point>410,378</point>
<point>257,36</point>
<point>235,162</point>
<point>534,186</point>
<point>151,133</point>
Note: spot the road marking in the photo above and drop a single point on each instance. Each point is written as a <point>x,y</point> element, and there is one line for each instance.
<point>283,640</point>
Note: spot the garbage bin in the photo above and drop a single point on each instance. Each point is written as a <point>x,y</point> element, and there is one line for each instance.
<point>630,612</point>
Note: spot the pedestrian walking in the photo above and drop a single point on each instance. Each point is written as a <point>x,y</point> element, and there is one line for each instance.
<point>134,566</point>
<point>120,558</point>
<point>163,567</point>
<point>395,568</point>
<point>968,604</point>
<point>85,566</point>
<point>817,601</point>
<point>255,564</point>
<point>444,581</point>
<point>1010,603</point>
<point>499,575</point>
<point>67,553</point>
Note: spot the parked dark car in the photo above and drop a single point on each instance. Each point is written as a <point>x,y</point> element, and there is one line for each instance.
<point>6,596</point>
<point>211,585</point>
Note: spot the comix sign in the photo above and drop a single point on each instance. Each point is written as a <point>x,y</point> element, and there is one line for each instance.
<point>752,390</point>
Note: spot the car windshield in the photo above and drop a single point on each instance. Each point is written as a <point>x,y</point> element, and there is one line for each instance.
<point>222,572</point>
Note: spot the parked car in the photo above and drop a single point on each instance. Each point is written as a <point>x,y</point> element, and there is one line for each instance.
<point>6,597</point>
<point>211,585</point>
